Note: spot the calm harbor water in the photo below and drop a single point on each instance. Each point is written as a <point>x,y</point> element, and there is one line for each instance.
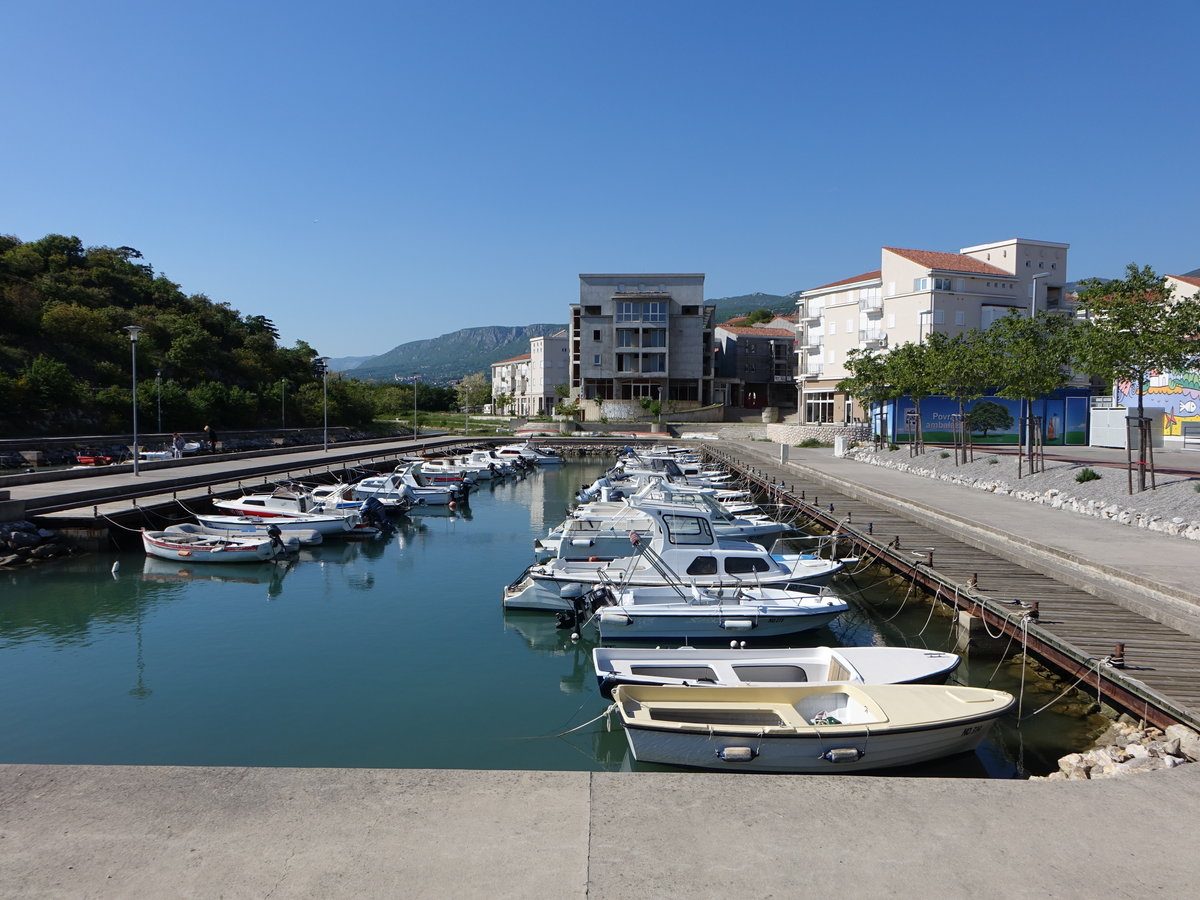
<point>387,653</point>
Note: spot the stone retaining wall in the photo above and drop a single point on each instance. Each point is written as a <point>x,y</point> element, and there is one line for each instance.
<point>796,434</point>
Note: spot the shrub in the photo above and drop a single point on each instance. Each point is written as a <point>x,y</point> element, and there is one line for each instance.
<point>944,455</point>
<point>893,447</point>
<point>1086,474</point>
<point>813,442</point>
<point>993,461</point>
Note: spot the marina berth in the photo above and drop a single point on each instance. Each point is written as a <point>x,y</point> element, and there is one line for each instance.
<point>529,452</point>
<point>327,526</point>
<point>405,484</point>
<point>683,550</point>
<point>690,614</point>
<point>805,729</point>
<point>204,548</point>
<point>770,667</point>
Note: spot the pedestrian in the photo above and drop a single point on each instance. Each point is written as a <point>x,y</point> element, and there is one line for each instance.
<point>177,445</point>
<point>210,438</point>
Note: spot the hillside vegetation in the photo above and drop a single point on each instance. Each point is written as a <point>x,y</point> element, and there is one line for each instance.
<point>65,360</point>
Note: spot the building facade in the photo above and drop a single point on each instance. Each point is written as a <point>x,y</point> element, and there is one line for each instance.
<point>756,364</point>
<point>640,336</point>
<point>912,293</point>
<point>549,367</point>
<point>511,385</point>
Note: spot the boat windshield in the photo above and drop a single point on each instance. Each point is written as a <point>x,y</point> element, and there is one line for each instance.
<point>687,529</point>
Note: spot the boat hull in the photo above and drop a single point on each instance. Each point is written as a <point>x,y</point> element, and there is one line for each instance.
<point>809,729</point>
<point>214,550</point>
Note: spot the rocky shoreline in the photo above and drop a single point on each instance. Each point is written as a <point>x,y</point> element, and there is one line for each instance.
<point>23,542</point>
<point>1129,747</point>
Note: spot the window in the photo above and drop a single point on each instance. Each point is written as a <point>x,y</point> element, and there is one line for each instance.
<point>654,312</point>
<point>960,317</point>
<point>703,565</point>
<point>920,284</point>
<point>942,284</point>
<point>832,327</point>
<point>743,565</point>
<point>596,334</point>
<point>628,311</point>
<point>691,310</point>
<point>939,317</point>
<point>596,360</point>
<point>849,326</point>
<point>591,311</point>
<point>818,406</point>
<point>655,337</point>
<point>655,363</point>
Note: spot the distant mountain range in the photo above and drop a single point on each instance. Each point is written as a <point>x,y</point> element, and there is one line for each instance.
<point>445,359</point>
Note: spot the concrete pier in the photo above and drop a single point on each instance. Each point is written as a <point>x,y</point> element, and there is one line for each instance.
<point>81,831</point>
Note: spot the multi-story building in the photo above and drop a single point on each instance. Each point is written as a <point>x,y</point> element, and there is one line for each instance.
<point>549,359</point>
<point>912,293</point>
<point>636,336</point>
<point>757,363</point>
<point>510,385</point>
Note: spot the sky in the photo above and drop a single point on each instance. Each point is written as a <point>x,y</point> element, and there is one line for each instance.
<point>371,173</point>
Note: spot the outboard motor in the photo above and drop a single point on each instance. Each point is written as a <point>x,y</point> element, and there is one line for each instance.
<point>583,605</point>
<point>276,537</point>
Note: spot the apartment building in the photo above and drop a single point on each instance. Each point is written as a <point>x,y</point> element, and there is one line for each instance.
<point>511,385</point>
<point>756,364</point>
<point>912,293</point>
<point>549,366</point>
<point>640,335</point>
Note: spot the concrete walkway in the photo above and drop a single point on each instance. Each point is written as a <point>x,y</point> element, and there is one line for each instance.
<point>83,831</point>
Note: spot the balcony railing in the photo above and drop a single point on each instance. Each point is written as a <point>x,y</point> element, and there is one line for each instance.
<point>812,340</point>
<point>872,337</point>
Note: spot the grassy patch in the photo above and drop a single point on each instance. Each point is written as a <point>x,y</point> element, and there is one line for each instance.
<point>1086,474</point>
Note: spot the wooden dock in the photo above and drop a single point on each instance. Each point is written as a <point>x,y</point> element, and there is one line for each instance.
<point>1142,666</point>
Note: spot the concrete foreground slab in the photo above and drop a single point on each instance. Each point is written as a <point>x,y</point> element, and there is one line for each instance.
<point>95,831</point>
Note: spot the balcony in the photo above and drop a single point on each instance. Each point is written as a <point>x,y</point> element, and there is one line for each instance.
<point>872,337</point>
<point>872,306</point>
<point>811,340</point>
<point>810,315</point>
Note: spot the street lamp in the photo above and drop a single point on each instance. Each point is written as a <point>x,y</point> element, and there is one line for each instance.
<point>283,403</point>
<point>415,376</point>
<point>323,363</point>
<point>1033,292</point>
<point>921,324</point>
<point>134,331</point>
<point>158,389</point>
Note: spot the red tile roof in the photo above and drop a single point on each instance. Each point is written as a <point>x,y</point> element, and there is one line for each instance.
<point>1187,279</point>
<point>865,276</point>
<point>513,359</point>
<point>948,262</point>
<point>757,331</point>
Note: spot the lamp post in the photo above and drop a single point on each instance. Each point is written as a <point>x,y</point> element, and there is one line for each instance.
<point>1033,292</point>
<point>323,362</point>
<point>415,376</point>
<point>283,403</point>
<point>134,331</point>
<point>158,389</point>
<point>921,323</point>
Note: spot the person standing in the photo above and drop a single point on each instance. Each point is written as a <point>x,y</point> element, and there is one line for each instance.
<point>177,445</point>
<point>210,438</point>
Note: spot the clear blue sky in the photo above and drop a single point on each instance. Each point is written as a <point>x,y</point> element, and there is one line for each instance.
<point>370,173</point>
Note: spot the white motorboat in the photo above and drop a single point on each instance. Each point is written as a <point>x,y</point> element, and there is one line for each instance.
<point>689,614</point>
<point>805,728</point>
<point>402,484</point>
<point>284,501</point>
<point>529,452</point>
<point>293,531</point>
<point>204,548</point>
<point>682,550</point>
<point>770,668</point>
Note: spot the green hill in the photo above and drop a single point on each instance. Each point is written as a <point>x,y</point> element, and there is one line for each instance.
<point>450,357</point>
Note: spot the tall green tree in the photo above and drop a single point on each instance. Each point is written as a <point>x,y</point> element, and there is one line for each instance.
<point>869,384</point>
<point>1133,327</point>
<point>910,371</point>
<point>960,369</point>
<point>1030,357</point>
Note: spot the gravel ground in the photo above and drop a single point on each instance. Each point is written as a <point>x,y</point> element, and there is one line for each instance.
<point>1174,508</point>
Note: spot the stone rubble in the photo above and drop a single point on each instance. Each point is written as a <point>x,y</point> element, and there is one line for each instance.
<point>1128,748</point>
<point>23,542</point>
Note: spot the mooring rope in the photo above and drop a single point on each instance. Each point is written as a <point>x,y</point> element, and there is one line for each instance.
<point>608,709</point>
<point>1098,662</point>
